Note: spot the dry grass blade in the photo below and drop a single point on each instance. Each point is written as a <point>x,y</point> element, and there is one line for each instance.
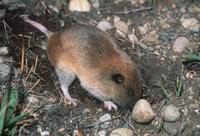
<point>34,85</point>
<point>26,65</point>
<point>167,93</point>
<point>36,62</point>
<point>29,73</point>
<point>22,56</point>
<point>134,130</point>
<point>6,32</point>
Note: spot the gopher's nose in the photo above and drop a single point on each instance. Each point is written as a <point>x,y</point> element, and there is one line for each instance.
<point>127,108</point>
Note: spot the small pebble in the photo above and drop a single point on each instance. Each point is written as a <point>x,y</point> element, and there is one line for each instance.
<point>95,3</point>
<point>104,25</point>
<point>4,72</point>
<point>136,2</point>
<point>105,118</point>
<point>62,23</point>
<point>164,25</point>
<point>156,52</point>
<point>45,133</point>
<point>144,29</point>
<point>121,27</point>
<point>99,110</point>
<point>75,133</point>
<point>79,5</point>
<point>33,100</point>
<point>171,113</point>
<point>117,1</point>
<point>102,133</point>
<point>157,122</point>
<point>194,8</point>
<point>142,112</point>
<point>190,23</point>
<point>143,45</point>
<point>180,44</point>
<point>3,50</point>
<point>122,132</point>
<point>116,19</point>
<point>152,37</point>
<point>133,38</point>
<point>150,48</point>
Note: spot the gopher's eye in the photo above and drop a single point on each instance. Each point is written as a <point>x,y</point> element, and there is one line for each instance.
<point>118,78</point>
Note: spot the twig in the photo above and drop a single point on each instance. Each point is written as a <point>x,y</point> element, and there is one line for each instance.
<point>29,73</point>
<point>134,130</point>
<point>22,57</point>
<point>34,85</point>
<point>36,61</point>
<point>29,103</point>
<point>129,12</point>
<point>7,26</point>
<point>5,29</point>
<point>26,65</point>
<point>38,108</point>
<point>95,124</point>
<point>20,130</point>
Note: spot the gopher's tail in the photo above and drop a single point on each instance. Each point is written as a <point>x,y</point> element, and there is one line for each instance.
<point>39,26</point>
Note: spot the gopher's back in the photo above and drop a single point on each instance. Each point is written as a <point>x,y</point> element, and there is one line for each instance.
<point>103,70</point>
<point>82,47</point>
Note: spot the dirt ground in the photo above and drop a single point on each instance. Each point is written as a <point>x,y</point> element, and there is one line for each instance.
<point>156,30</point>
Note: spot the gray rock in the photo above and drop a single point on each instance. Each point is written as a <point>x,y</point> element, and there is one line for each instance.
<point>105,118</point>
<point>171,113</point>
<point>170,128</point>
<point>122,132</point>
<point>4,72</point>
<point>180,44</point>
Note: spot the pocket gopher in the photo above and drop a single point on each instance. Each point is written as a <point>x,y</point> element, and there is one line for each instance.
<point>93,57</point>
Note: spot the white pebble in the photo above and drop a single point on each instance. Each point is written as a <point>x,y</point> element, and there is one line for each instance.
<point>142,112</point>
<point>79,5</point>
<point>3,50</point>
<point>102,133</point>
<point>45,133</point>
<point>104,25</point>
<point>122,132</point>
